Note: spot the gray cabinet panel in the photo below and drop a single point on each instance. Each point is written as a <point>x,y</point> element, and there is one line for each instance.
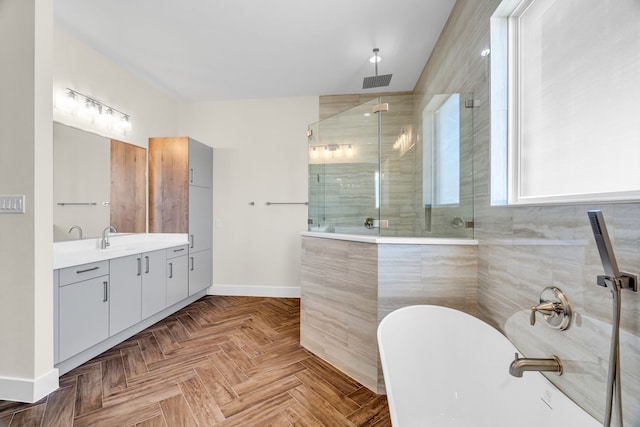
<point>177,279</point>
<point>83,315</point>
<point>200,164</point>
<point>154,285</point>
<point>200,218</point>
<point>125,308</point>
<point>200,270</point>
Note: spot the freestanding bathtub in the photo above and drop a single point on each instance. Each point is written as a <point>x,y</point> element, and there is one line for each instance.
<point>445,368</point>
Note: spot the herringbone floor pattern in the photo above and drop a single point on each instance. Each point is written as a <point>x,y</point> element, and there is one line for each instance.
<point>223,361</point>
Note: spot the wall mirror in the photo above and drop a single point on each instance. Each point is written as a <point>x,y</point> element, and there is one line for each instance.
<point>97,181</point>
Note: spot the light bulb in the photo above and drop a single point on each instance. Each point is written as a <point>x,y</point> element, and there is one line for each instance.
<point>125,123</point>
<point>71,101</point>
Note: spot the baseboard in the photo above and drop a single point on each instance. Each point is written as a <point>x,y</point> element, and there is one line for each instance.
<point>26,390</point>
<point>255,291</point>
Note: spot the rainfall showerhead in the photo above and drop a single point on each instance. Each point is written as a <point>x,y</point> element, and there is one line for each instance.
<point>376,81</point>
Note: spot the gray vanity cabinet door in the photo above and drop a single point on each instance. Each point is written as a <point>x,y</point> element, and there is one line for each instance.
<point>154,284</point>
<point>200,270</point>
<point>83,315</point>
<point>200,164</point>
<point>200,218</point>
<point>125,308</point>
<point>177,279</point>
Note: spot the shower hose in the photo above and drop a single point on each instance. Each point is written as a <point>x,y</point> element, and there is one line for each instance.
<point>614,395</point>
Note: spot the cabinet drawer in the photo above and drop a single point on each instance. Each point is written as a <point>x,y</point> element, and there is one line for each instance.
<point>177,251</point>
<point>83,272</point>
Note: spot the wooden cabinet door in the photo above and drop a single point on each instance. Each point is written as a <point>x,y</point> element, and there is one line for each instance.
<point>200,270</point>
<point>83,315</point>
<point>154,284</point>
<point>128,187</point>
<point>168,185</point>
<point>125,305</point>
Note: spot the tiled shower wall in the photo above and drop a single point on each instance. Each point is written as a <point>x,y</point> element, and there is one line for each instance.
<point>344,186</point>
<point>341,187</point>
<point>524,249</point>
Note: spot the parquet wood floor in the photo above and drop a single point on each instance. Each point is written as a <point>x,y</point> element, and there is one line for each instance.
<point>222,361</point>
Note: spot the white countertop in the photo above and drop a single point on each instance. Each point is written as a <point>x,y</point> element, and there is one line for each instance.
<point>77,252</point>
<point>381,240</point>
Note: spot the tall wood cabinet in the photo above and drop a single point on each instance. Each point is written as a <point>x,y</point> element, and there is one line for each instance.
<point>181,200</point>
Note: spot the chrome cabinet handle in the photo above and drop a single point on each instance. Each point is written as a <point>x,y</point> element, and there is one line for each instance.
<point>178,250</point>
<point>105,290</point>
<point>191,240</point>
<point>170,270</point>
<point>139,266</point>
<point>191,174</point>
<point>146,259</point>
<point>193,263</point>
<point>87,270</point>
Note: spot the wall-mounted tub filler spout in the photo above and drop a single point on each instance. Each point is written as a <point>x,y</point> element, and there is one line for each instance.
<point>104,242</point>
<point>520,365</point>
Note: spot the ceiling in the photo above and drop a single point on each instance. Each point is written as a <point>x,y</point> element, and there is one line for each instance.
<point>200,50</point>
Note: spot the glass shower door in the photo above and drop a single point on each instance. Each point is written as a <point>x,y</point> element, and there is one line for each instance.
<point>397,165</point>
<point>344,172</point>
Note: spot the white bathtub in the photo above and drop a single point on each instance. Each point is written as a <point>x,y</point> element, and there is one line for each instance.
<point>445,368</point>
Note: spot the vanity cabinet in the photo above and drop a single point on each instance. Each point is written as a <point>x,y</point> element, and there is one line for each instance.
<point>200,267</point>
<point>154,283</point>
<point>100,304</point>
<point>181,200</point>
<point>126,301</point>
<point>177,274</point>
<point>83,307</point>
<point>138,289</point>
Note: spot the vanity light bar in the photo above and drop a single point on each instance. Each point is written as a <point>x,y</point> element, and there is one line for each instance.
<point>98,108</point>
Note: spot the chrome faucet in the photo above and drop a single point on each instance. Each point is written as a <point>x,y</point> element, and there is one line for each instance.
<point>104,243</point>
<point>520,365</point>
<point>76,227</point>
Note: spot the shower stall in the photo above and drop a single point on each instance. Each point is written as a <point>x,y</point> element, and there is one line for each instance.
<point>395,166</point>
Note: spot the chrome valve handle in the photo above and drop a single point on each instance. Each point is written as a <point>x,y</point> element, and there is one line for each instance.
<point>554,307</point>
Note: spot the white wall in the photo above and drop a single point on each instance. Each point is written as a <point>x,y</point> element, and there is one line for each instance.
<point>26,167</point>
<point>26,300</point>
<point>260,155</point>
<point>78,67</point>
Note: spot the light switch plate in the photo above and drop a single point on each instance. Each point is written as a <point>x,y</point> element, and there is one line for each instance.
<point>12,204</point>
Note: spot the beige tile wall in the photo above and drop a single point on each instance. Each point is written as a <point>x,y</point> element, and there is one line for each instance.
<point>349,287</point>
<point>523,249</point>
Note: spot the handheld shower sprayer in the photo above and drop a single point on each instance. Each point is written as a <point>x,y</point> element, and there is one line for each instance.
<point>607,256</point>
<point>603,242</point>
<point>615,281</point>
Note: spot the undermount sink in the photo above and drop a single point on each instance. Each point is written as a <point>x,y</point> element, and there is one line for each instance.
<point>76,252</point>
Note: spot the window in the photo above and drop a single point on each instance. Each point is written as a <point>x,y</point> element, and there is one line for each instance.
<point>569,73</point>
